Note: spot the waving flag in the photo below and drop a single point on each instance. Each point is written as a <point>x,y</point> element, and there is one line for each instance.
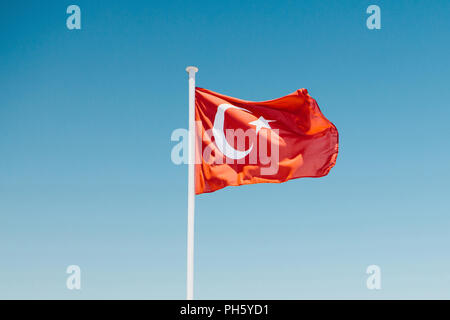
<point>241,142</point>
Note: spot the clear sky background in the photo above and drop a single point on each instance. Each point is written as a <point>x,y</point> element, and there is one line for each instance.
<point>86,176</point>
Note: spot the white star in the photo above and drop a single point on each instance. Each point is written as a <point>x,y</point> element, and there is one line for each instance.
<point>261,123</point>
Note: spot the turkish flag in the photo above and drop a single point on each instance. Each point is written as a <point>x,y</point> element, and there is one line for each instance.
<point>242,142</point>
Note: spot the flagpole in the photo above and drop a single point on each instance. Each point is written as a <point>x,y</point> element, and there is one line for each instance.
<point>191,186</point>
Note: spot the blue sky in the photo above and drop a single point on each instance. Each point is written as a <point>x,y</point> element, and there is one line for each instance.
<point>86,176</point>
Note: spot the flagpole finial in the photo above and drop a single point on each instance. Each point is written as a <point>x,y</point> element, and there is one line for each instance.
<point>192,69</point>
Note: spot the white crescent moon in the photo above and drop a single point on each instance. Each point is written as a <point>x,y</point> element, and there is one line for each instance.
<point>219,136</point>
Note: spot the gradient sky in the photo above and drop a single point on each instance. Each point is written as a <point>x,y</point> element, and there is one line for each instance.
<point>86,176</point>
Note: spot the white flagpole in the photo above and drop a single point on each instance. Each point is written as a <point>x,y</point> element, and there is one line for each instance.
<point>191,186</point>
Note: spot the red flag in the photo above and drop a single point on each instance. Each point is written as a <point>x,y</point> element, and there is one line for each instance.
<point>242,142</point>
